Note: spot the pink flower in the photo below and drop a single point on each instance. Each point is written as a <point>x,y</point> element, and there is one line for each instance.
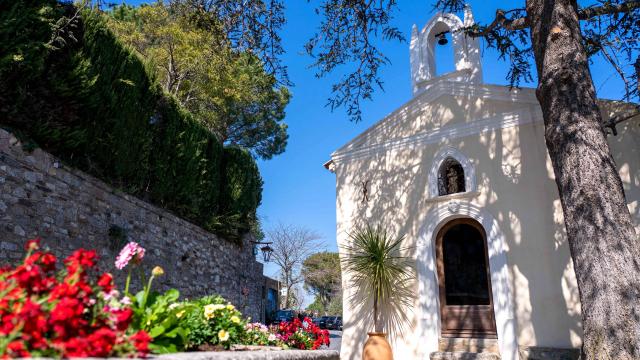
<point>130,251</point>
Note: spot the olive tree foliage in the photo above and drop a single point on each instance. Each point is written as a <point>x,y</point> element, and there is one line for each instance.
<point>224,85</point>
<point>291,246</point>
<point>248,25</point>
<point>322,276</point>
<point>348,38</point>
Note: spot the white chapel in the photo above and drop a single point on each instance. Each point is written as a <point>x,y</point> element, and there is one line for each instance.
<point>462,171</point>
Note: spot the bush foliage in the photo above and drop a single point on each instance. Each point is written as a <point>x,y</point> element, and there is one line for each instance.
<point>69,85</point>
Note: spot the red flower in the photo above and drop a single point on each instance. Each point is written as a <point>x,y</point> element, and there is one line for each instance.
<point>106,282</point>
<point>76,347</point>
<point>49,316</point>
<point>101,342</point>
<point>48,262</point>
<point>32,244</point>
<point>66,317</point>
<point>141,342</point>
<point>7,323</point>
<point>123,318</point>
<point>16,349</point>
<point>81,259</point>
<point>31,278</point>
<point>35,324</point>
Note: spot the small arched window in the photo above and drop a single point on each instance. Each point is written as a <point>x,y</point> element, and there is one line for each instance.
<point>450,177</point>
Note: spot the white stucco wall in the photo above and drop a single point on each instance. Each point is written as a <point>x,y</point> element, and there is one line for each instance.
<point>516,200</point>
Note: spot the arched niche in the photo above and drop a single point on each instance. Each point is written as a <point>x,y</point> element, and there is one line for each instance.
<point>444,158</point>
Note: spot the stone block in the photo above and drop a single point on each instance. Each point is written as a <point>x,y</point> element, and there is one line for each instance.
<point>548,353</point>
<point>30,176</point>
<point>5,245</point>
<point>18,230</point>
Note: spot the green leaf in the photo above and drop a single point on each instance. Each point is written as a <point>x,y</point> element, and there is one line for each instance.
<point>157,331</point>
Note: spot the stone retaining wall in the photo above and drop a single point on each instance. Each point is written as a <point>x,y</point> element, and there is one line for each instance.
<point>69,209</point>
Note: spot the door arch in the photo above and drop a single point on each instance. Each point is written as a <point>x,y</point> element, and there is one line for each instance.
<point>464,280</point>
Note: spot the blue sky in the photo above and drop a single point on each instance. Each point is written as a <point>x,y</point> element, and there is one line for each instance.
<point>297,189</point>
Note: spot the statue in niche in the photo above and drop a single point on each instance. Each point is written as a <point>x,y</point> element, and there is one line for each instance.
<point>450,177</point>
<point>452,181</point>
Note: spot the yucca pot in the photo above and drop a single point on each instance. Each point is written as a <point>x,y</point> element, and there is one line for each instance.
<point>377,347</point>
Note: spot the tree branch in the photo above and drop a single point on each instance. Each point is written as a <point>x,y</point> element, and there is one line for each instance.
<point>637,68</point>
<point>608,9</point>
<point>615,120</point>
<point>615,65</point>
<point>501,19</point>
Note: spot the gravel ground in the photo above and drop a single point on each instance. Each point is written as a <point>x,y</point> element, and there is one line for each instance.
<point>336,339</point>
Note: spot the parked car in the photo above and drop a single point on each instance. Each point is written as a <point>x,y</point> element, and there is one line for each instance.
<point>334,323</point>
<point>283,315</point>
<point>338,323</point>
<point>321,322</point>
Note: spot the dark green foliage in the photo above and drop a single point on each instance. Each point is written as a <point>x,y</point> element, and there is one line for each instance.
<point>186,166</point>
<point>241,188</point>
<point>92,102</point>
<point>121,100</point>
<point>34,97</point>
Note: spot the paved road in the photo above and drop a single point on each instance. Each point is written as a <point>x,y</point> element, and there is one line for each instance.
<point>336,339</point>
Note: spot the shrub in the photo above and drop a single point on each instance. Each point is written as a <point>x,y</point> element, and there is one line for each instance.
<point>186,166</point>
<point>241,189</point>
<point>259,334</point>
<point>302,335</point>
<point>214,322</point>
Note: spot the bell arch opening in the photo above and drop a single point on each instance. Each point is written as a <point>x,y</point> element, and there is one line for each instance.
<point>441,47</point>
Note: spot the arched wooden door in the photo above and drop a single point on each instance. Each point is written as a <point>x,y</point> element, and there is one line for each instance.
<point>466,303</point>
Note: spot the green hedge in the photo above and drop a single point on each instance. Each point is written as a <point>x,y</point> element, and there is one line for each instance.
<point>240,196</point>
<point>241,186</point>
<point>94,103</point>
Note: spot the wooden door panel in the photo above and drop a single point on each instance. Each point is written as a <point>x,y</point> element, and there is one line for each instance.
<point>471,314</point>
<point>474,319</point>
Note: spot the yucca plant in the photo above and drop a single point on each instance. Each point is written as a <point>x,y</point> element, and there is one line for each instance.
<point>380,273</point>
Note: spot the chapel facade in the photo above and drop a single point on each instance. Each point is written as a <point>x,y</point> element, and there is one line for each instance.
<point>462,171</point>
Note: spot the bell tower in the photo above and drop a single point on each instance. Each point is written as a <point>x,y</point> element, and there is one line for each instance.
<point>466,51</point>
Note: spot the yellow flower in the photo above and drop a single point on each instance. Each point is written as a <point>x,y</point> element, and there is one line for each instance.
<point>209,311</point>
<point>179,314</point>
<point>235,319</point>
<point>230,307</point>
<point>218,307</point>
<point>157,271</point>
<point>223,336</point>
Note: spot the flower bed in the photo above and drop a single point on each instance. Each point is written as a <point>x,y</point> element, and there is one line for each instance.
<point>78,312</point>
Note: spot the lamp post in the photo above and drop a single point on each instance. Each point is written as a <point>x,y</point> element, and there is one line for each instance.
<point>265,249</point>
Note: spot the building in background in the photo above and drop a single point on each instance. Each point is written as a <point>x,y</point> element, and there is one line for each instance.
<point>270,299</point>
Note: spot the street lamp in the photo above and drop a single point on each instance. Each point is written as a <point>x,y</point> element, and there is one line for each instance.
<point>266,250</point>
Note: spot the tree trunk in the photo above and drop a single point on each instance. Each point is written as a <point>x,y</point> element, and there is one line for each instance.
<point>287,301</point>
<point>601,236</point>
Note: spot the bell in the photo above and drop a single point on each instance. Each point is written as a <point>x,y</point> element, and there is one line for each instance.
<point>442,39</point>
